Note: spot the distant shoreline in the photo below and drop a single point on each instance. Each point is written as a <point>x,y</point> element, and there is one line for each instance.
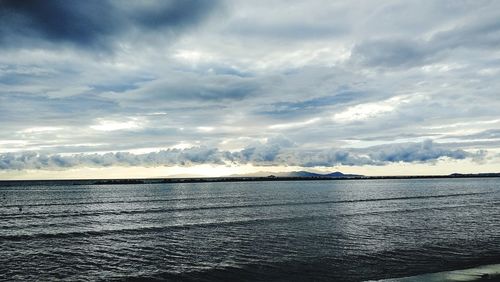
<point>228,179</point>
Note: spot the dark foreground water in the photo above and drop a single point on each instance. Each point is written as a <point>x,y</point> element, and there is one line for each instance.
<point>287,231</point>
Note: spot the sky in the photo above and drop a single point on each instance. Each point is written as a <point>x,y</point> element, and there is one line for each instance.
<point>112,88</point>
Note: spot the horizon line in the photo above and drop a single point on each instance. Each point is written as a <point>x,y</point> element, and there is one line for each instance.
<point>257,178</point>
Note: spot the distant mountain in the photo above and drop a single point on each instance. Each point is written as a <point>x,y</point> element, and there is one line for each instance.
<point>336,174</point>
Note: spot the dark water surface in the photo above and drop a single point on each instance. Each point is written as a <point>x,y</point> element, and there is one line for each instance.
<point>287,231</point>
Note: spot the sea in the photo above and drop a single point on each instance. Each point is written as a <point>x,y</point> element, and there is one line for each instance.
<point>327,230</point>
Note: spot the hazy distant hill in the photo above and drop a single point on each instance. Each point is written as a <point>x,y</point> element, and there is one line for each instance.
<point>336,174</point>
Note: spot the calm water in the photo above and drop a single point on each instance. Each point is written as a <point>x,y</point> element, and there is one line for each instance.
<point>324,230</point>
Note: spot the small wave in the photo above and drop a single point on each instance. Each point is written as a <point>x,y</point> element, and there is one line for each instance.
<point>163,210</point>
<point>120,201</point>
<point>72,234</point>
<point>21,237</point>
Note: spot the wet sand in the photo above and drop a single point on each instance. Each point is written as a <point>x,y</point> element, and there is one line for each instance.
<point>480,273</point>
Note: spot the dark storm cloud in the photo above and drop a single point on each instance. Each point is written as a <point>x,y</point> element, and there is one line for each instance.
<point>80,22</point>
<point>93,23</point>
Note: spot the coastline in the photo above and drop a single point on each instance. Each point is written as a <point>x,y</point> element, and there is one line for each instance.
<point>122,181</point>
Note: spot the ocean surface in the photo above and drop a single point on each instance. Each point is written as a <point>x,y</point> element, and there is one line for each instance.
<point>351,230</point>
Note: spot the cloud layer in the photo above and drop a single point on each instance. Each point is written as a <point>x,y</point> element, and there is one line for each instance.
<point>192,82</point>
<point>272,153</point>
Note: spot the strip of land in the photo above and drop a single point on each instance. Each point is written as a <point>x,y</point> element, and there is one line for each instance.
<point>228,179</point>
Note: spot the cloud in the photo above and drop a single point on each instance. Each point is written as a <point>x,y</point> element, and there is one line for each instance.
<point>94,23</point>
<point>366,111</point>
<point>230,77</point>
<point>339,97</point>
<point>278,150</point>
<point>186,157</point>
<point>293,31</point>
<point>468,34</point>
<point>392,52</point>
<point>329,158</point>
<point>480,32</point>
<point>263,153</point>
<point>486,134</point>
<point>182,87</point>
<point>414,152</point>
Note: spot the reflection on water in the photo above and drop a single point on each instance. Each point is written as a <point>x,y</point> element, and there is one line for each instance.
<point>343,230</point>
